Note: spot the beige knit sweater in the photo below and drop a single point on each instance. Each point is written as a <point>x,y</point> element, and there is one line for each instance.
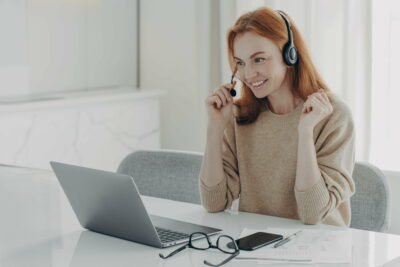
<point>259,162</point>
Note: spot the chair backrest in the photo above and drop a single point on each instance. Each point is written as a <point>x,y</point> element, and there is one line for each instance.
<point>370,204</point>
<point>174,175</point>
<point>165,173</point>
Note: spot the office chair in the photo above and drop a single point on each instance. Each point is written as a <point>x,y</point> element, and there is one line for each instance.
<point>174,175</point>
<point>165,173</point>
<point>370,204</point>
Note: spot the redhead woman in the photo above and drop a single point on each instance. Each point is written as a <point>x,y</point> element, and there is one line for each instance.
<point>285,147</point>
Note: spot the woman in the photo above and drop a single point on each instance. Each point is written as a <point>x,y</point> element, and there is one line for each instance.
<point>286,147</point>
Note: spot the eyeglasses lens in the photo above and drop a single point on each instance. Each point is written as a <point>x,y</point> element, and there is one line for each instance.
<point>200,241</point>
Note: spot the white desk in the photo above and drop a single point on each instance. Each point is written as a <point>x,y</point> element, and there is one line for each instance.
<point>39,228</point>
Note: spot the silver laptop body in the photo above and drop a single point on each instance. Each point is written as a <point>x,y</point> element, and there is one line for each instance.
<point>110,203</point>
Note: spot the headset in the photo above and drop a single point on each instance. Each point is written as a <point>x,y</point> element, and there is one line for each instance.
<point>289,51</point>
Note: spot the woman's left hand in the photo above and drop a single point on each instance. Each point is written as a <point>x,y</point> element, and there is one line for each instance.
<point>316,108</point>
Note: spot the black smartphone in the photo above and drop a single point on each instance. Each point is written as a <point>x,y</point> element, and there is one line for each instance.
<point>257,240</point>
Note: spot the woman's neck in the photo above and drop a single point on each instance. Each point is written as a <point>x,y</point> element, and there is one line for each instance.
<point>283,101</point>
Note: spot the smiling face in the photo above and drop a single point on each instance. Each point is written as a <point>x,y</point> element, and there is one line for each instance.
<point>260,64</point>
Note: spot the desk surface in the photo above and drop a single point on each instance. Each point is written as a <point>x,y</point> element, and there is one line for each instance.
<point>39,228</point>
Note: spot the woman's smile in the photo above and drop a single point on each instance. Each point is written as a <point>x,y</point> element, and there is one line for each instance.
<point>258,85</point>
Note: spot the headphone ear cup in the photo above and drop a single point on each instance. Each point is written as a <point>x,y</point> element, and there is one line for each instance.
<point>289,54</point>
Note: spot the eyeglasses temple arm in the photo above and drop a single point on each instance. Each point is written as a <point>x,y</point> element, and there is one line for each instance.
<point>173,252</point>
<point>222,263</point>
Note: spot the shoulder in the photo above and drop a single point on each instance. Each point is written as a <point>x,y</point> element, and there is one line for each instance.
<point>340,118</point>
<point>341,111</point>
<point>337,131</point>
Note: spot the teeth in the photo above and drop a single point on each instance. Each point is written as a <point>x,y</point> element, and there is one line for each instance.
<point>258,83</point>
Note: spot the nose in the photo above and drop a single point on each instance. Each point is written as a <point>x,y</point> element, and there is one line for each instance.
<point>249,73</point>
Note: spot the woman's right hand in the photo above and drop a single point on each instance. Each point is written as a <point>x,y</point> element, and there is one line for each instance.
<point>219,107</point>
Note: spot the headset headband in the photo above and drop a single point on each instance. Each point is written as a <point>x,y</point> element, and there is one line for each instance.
<point>288,26</point>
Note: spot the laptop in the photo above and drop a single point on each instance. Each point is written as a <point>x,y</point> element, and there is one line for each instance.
<point>110,203</point>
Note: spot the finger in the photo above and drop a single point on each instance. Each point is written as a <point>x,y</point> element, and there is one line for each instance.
<point>327,103</point>
<point>227,94</point>
<point>325,95</point>
<point>222,96</point>
<point>312,103</point>
<point>303,109</point>
<point>209,100</point>
<point>310,107</point>
<point>317,98</point>
<point>307,106</point>
<point>309,101</point>
<point>218,101</point>
<point>317,104</point>
<point>213,100</point>
<point>320,101</point>
<point>306,109</point>
<point>321,97</point>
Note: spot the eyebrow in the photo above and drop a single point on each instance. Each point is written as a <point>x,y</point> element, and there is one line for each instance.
<point>253,55</point>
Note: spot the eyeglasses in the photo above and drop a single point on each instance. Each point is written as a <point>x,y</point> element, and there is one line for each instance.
<point>201,241</point>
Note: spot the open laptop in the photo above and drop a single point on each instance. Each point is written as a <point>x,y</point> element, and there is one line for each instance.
<point>110,203</point>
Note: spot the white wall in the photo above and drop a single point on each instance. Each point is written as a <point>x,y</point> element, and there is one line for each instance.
<point>175,56</point>
<point>14,68</point>
<point>66,45</point>
<point>394,185</point>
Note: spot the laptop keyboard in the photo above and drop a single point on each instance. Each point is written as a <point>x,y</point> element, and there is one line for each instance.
<point>167,236</point>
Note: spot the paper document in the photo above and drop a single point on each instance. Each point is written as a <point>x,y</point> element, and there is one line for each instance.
<point>310,246</point>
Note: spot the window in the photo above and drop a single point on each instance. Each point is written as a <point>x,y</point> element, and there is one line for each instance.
<point>385,95</point>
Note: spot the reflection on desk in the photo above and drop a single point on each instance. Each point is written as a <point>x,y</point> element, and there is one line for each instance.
<point>39,228</point>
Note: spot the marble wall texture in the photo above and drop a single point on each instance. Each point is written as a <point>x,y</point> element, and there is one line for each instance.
<point>95,130</point>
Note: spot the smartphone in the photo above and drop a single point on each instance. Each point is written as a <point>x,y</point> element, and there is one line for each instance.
<point>257,240</point>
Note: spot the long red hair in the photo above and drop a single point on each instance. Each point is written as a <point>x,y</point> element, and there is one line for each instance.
<point>304,77</point>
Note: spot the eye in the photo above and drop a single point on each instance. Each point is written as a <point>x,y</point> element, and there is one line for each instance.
<point>239,63</point>
<point>259,59</point>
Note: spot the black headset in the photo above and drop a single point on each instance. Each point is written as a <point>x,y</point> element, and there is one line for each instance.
<point>289,51</point>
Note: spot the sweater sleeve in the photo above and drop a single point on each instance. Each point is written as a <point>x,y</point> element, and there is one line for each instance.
<point>329,199</point>
<point>221,196</point>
